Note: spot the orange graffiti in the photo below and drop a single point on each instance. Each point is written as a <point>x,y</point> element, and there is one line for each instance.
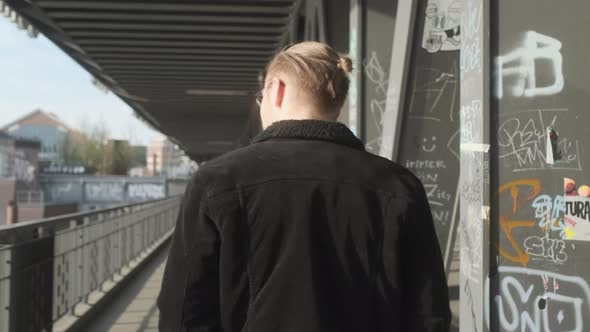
<point>508,225</point>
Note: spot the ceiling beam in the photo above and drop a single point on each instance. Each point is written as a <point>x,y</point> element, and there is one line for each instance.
<point>217,68</point>
<point>174,58</point>
<point>127,63</point>
<point>159,50</point>
<point>182,43</point>
<point>222,36</point>
<point>261,27</point>
<point>181,69</point>
<point>189,81</point>
<point>170,18</point>
<point>212,72</point>
<point>223,77</point>
<point>187,101</point>
<point>273,8</point>
<point>164,73</point>
<point>183,86</point>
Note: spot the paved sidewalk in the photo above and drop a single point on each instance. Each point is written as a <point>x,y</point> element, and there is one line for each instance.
<point>142,313</point>
<point>135,310</point>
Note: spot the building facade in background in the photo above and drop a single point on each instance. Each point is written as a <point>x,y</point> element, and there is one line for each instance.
<point>45,128</point>
<point>18,158</point>
<point>164,158</point>
<point>18,173</point>
<point>42,162</point>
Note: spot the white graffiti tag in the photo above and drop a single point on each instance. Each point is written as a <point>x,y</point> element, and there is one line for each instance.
<point>546,248</point>
<point>521,64</point>
<point>523,305</point>
<point>145,191</point>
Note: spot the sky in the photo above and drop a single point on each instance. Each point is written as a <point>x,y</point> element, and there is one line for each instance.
<point>35,74</point>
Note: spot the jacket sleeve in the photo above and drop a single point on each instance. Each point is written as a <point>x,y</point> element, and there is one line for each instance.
<point>189,297</point>
<point>425,298</point>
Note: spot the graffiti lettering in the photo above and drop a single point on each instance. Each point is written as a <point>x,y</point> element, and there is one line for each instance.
<point>548,212</point>
<point>376,76</point>
<point>420,164</point>
<point>473,20</point>
<point>427,98</point>
<point>468,116</point>
<point>546,248</point>
<point>521,64</point>
<point>522,140</point>
<point>104,191</point>
<point>579,209</point>
<point>531,188</point>
<point>60,191</point>
<point>471,56</point>
<point>522,306</point>
<point>145,191</point>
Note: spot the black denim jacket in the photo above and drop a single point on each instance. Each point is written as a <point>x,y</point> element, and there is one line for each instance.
<point>303,230</point>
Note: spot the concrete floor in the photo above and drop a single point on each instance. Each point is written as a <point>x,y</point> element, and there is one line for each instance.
<point>134,309</point>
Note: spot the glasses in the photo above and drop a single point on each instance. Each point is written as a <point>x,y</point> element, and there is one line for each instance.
<point>259,97</point>
<point>259,94</point>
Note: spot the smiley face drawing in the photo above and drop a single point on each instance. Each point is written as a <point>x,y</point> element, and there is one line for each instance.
<point>426,144</point>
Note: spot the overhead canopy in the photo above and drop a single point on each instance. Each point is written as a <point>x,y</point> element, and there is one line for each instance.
<point>189,68</point>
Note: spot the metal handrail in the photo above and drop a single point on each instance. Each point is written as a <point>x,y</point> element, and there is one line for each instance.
<point>31,231</point>
<point>48,267</point>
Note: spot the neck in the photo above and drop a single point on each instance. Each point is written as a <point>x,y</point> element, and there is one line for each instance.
<point>306,117</point>
<point>300,116</point>
<point>307,113</point>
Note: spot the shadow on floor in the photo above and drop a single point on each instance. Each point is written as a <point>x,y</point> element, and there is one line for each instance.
<point>113,312</point>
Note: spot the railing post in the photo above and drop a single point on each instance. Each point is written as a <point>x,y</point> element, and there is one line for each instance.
<point>31,284</point>
<point>5,264</point>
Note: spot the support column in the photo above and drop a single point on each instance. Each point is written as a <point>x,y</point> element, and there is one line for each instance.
<point>401,53</point>
<point>355,51</point>
<point>474,149</point>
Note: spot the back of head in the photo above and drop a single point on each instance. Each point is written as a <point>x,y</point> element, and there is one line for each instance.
<point>320,72</point>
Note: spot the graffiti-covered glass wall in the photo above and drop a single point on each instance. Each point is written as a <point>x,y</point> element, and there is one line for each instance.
<point>377,48</point>
<point>428,141</point>
<point>429,137</point>
<point>540,105</point>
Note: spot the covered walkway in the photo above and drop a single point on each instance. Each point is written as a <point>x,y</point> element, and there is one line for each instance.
<point>191,69</point>
<point>484,101</point>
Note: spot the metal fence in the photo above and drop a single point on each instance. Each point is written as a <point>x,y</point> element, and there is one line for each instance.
<point>50,266</point>
<point>30,197</point>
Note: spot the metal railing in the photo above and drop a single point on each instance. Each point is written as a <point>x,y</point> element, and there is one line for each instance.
<point>30,196</point>
<point>48,267</point>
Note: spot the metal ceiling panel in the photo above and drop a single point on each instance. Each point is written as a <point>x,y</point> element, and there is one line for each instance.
<point>189,68</point>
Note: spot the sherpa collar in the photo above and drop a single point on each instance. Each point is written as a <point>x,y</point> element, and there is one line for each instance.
<point>312,130</point>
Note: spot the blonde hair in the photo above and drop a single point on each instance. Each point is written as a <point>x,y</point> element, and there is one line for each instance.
<point>319,70</point>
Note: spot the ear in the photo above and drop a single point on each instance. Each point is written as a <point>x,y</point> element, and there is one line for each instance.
<point>278,93</point>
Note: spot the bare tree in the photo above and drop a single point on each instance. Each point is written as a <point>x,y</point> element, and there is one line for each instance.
<point>91,147</point>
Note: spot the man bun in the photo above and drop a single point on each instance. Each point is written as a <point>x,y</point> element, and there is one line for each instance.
<point>320,72</point>
<point>345,64</point>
